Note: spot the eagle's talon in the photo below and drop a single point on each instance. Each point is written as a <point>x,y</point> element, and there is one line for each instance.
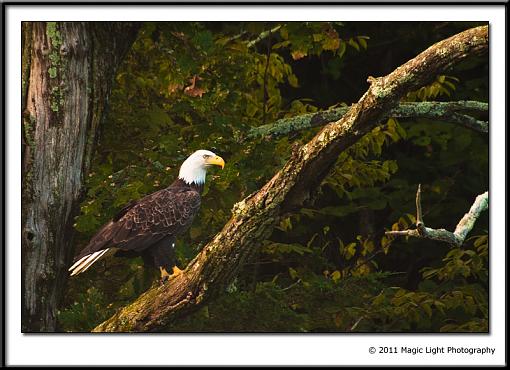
<point>165,276</point>
<point>176,271</point>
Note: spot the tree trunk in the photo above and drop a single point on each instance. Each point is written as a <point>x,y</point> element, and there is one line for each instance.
<point>254,217</point>
<point>67,72</point>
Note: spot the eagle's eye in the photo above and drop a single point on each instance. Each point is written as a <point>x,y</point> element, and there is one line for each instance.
<point>206,156</point>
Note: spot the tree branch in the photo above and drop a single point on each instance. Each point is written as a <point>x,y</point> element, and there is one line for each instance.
<point>454,112</point>
<point>253,219</point>
<point>463,227</point>
<point>263,35</point>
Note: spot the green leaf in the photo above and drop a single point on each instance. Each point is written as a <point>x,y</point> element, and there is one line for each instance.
<point>293,273</point>
<point>331,43</point>
<point>362,42</point>
<point>336,275</point>
<point>353,43</point>
<point>293,81</point>
<point>341,48</point>
<point>318,37</point>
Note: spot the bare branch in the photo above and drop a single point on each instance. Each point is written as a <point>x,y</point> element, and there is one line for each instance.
<point>468,221</point>
<point>356,323</point>
<point>419,215</point>
<point>454,112</point>
<point>456,238</point>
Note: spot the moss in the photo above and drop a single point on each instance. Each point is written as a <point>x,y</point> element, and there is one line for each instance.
<point>55,39</point>
<point>54,106</point>
<point>26,56</point>
<point>57,99</point>
<point>55,65</point>
<point>53,34</point>
<point>28,127</point>
<point>52,71</point>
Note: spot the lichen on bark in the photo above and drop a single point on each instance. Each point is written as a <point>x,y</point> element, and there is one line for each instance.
<point>457,112</point>
<point>55,66</point>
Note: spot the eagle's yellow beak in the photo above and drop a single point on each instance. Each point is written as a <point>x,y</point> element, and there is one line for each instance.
<point>216,160</point>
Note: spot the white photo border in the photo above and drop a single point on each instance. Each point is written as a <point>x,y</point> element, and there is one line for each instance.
<point>252,349</point>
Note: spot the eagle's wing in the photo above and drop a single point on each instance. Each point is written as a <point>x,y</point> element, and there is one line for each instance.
<point>141,224</point>
<point>165,213</point>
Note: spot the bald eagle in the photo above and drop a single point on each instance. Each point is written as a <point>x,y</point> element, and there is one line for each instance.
<point>148,227</point>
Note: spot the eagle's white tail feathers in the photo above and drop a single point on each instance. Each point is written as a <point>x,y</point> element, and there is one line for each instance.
<point>94,260</point>
<point>78,262</point>
<point>85,262</point>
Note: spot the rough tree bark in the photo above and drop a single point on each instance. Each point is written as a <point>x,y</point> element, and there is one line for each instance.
<point>254,217</point>
<point>67,71</point>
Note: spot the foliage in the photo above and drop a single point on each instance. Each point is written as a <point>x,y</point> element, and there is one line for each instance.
<point>456,301</point>
<point>327,266</point>
<point>314,305</point>
<point>366,303</point>
<point>89,308</point>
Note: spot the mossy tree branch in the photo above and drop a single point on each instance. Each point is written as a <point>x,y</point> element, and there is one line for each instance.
<point>455,112</point>
<point>254,217</point>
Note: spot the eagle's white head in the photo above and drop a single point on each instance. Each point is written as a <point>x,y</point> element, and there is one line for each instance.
<point>194,168</point>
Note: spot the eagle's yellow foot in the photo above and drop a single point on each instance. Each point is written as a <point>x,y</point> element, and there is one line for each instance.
<point>176,271</point>
<point>165,276</point>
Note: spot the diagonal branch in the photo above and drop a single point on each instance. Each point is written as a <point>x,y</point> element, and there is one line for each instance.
<point>253,218</point>
<point>455,238</point>
<point>263,35</point>
<point>454,112</point>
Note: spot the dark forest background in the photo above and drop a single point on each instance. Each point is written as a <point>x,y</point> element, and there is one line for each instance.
<point>327,267</point>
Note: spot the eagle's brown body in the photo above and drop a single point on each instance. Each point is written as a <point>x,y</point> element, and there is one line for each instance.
<point>147,227</point>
